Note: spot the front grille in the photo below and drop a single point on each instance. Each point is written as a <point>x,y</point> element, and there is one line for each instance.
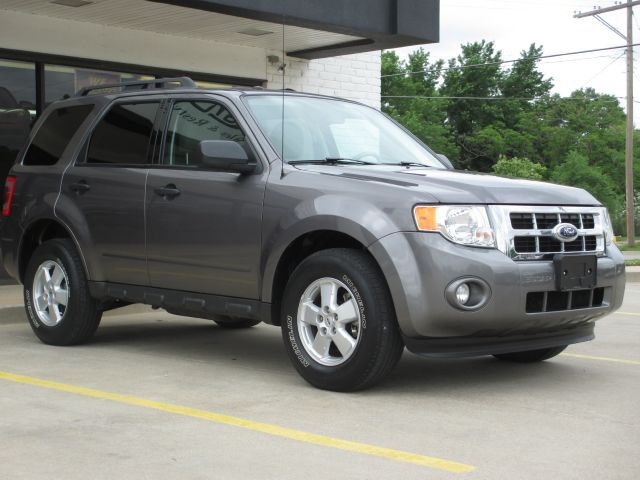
<point>590,242</point>
<point>587,243</point>
<point>531,232</point>
<point>525,244</point>
<point>588,221</point>
<point>522,221</point>
<point>555,301</point>
<point>546,221</point>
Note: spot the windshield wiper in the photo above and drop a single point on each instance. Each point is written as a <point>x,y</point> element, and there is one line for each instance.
<point>332,161</point>
<point>407,164</point>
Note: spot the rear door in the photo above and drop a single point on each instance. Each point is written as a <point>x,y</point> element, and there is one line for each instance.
<point>106,187</point>
<point>204,226</point>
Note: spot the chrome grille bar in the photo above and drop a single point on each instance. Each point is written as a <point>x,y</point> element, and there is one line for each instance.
<point>519,233</point>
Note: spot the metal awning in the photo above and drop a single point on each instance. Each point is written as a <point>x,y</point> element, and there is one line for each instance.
<point>340,26</point>
<point>314,28</point>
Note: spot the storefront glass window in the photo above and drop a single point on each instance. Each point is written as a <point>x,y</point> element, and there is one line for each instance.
<point>18,98</point>
<point>17,109</point>
<point>61,81</point>
<point>202,84</point>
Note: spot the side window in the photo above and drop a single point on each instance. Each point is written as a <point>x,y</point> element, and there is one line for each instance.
<point>54,135</point>
<point>123,135</point>
<point>193,121</point>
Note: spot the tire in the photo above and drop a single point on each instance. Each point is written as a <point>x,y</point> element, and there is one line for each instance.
<point>321,352</point>
<point>55,272</point>
<point>233,323</point>
<point>531,356</point>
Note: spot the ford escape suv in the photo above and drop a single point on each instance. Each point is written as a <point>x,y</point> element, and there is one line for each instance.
<point>318,215</point>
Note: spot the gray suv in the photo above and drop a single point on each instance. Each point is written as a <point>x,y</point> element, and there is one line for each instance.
<point>315,214</point>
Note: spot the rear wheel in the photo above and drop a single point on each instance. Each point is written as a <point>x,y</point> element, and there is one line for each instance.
<point>531,356</point>
<point>339,325</point>
<point>56,295</point>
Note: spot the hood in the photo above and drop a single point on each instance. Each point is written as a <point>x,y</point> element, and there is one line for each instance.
<point>448,186</point>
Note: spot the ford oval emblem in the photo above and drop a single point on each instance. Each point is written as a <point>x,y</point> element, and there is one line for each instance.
<point>565,232</point>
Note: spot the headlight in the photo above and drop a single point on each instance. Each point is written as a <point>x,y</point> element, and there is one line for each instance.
<point>463,224</point>
<point>607,226</point>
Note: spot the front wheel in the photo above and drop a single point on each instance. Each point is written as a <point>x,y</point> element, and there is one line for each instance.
<point>531,356</point>
<point>339,325</point>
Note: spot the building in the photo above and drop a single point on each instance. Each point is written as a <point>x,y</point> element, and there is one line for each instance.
<point>51,48</point>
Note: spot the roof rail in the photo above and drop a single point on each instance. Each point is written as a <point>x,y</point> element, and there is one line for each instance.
<point>182,82</point>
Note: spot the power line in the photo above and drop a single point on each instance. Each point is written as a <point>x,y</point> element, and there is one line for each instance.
<point>527,99</point>
<point>575,3</point>
<point>568,60</point>
<point>488,64</point>
<point>510,5</point>
<point>607,66</point>
<point>628,150</point>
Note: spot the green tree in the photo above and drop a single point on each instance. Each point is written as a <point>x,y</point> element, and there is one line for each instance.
<point>422,113</point>
<point>576,171</point>
<point>474,74</point>
<point>494,117</point>
<point>522,82</point>
<point>519,167</point>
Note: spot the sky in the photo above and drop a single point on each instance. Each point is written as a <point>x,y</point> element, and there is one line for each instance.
<point>513,25</point>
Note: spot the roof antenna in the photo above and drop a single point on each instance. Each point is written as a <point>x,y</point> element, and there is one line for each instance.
<point>282,68</point>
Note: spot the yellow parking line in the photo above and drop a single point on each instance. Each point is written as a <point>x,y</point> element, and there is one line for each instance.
<point>627,313</point>
<point>602,359</point>
<point>269,429</point>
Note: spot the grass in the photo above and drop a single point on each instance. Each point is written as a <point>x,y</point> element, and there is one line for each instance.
<point>621,242</point>
<point>633,262</point>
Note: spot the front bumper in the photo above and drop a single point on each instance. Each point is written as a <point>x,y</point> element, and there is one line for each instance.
<point>474,346</point>
<point>419,266</point>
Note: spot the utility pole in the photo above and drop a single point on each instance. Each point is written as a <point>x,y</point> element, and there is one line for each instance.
<point>629,138</point>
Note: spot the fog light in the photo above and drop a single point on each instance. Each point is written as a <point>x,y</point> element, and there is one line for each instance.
<point>468,293</point>
<point>462,293</point>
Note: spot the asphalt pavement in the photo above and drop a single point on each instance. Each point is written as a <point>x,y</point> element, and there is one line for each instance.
<point>164,397</point>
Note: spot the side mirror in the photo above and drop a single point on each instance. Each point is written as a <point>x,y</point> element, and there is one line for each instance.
<point>224,155</point>
<point>445,160</point>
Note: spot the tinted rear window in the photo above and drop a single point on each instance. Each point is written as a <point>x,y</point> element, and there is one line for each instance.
<point>54,135</point>
<point>123,135</point>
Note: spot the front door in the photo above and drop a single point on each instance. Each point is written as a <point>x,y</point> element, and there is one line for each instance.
<point>203,226</point>
<point>107,185</point>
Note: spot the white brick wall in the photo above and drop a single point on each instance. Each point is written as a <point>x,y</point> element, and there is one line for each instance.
<point>356,77</point>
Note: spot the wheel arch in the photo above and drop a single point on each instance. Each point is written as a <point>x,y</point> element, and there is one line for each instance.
<point>38,232</point>
<point>295,252</point>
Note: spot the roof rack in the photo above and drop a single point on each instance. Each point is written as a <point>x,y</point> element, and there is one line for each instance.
<point>158,83</point>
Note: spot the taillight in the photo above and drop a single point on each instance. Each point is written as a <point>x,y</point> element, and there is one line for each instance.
<point>9,187</point>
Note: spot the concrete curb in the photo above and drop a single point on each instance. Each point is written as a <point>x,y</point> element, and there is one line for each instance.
<point>12,314</point>
<point>633,274</point>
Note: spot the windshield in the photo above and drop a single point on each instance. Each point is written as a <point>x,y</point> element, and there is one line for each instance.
<point>318,129</point>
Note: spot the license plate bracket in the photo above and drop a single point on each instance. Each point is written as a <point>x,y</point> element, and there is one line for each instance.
<point>575,272</point>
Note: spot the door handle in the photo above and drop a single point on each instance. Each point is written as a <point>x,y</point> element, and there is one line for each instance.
<point>169,191</point>
<point>80,187</point>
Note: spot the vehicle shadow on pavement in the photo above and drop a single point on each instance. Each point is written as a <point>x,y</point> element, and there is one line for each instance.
<point>447,376</point>
<point>201,340</point>
<point>204,341</point>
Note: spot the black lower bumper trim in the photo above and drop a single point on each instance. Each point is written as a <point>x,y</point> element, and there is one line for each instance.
<point>190,304</point>
<point>475,346</point>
